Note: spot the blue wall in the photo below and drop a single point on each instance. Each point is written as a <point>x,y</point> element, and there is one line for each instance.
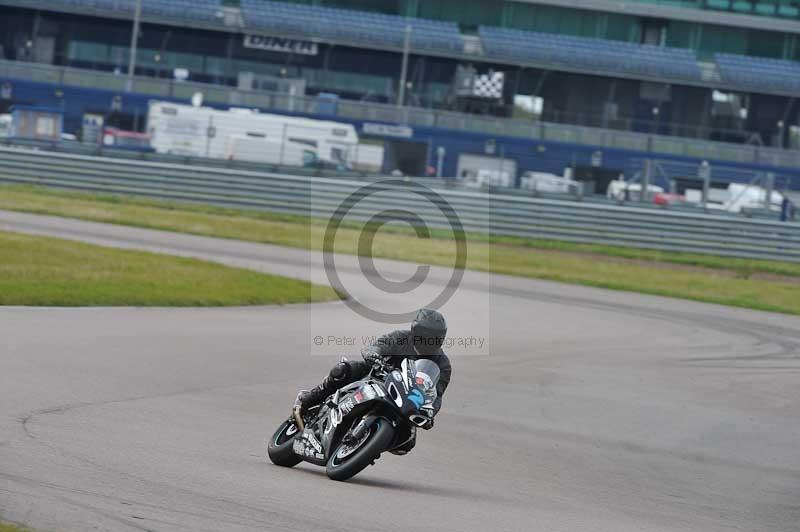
<point>530,154</point>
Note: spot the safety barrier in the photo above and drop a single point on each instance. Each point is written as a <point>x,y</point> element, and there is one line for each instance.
<point>499,214</point>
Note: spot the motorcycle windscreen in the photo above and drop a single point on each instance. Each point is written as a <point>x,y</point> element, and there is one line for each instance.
<point>427,377</point>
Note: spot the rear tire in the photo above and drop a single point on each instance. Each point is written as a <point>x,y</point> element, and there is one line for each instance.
<point>343,465</point>
<point>280,449</point>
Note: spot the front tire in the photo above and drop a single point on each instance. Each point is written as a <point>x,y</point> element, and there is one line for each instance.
<point>280,445</point>
<point>349,459</point>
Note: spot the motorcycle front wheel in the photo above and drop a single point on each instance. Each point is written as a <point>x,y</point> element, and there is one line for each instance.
<point>350,457</point>
<point>280,445</point>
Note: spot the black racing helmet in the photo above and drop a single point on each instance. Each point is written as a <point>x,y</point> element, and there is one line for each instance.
<point>428,331</point>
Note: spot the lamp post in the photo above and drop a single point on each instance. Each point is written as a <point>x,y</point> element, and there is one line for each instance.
<point>137,15</point>
<point>401,90</point>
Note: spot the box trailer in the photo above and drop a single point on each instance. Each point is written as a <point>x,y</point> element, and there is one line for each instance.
<point>236,133</point>
<point>264,150</point>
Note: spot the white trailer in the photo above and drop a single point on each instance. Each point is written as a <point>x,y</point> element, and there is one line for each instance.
<point>244,134</point>
<point>368,158</point>
<point>5,126</point>
<point>262,150</point>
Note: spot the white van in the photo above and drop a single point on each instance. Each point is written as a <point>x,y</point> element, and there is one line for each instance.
<point>736,198</point>
<point>545,182</point>
<point>484,178</point>
<point>619,189</point>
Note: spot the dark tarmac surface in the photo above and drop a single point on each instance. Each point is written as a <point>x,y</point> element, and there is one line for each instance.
<point>587,410</point>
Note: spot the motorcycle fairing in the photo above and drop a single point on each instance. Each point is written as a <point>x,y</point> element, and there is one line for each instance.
<point>357,397</point>
<point>309,448</point>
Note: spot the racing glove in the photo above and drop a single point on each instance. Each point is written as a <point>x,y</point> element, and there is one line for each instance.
<point>372,356</point>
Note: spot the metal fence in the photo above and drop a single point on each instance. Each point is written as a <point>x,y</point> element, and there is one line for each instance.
<point>414,116</point>
<point>570,221</point>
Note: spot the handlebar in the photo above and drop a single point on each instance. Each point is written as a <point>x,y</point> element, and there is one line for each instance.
<point>381,367</point>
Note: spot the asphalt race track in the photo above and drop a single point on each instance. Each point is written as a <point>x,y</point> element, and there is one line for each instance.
<point>595,411</point>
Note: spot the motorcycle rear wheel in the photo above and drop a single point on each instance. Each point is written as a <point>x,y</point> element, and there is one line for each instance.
<point>349,459</point>
<point>280,449</point>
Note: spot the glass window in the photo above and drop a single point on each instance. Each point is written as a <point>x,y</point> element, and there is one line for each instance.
<point>380,6</point>
<point>472,13</point>
<point>521,16</point>
<point>765,43</point>
<point>620,27</point>
<point>215,66</point>
<point>87,51</point>
<point>681,34</point>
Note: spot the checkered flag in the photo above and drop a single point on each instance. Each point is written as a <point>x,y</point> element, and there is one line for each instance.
<point>489,85</point>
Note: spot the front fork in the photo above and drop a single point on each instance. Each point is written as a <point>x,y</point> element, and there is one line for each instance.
<point>298,419</point>
<point>366,422</point>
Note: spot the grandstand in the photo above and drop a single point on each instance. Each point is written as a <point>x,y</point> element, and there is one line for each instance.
<point>759,73</point>
<point>366,28</point>
<point>585,53</point>
<point>717,71</point>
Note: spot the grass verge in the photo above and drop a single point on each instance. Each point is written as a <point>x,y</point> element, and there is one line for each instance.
<point>765,285</point>
<point>8,527</point>
<point>40,271</point>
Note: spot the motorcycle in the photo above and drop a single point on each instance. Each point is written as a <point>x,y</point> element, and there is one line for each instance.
<point>353,426</point>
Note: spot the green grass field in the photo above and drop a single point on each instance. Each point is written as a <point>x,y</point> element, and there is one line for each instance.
<point>8,527</point>
<point>766,285</point>
<point>41,271</point>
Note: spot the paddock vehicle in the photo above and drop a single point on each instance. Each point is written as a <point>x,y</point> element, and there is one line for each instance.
<point>246,135</point>
<point>352,427</point>
<point>548,183</point>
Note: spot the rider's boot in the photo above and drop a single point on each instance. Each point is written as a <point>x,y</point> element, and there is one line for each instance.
<point>309,398</point>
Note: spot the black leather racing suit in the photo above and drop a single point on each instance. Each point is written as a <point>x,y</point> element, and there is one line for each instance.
<point>394,347</point>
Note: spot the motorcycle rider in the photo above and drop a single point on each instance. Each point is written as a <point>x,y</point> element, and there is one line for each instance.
<point>423,340</point>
